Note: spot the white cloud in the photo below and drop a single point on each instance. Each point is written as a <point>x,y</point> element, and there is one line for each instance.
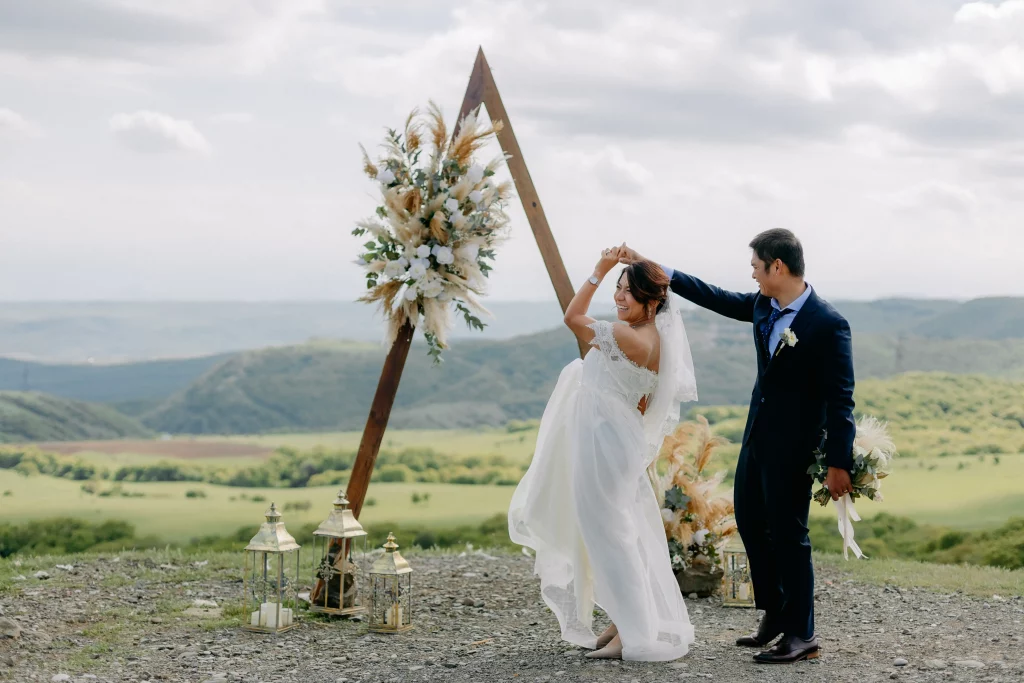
<point>751,188</point>
<point>984,12</point>
<point>609,168</point>
<point>683,126</point>
<point>153,132</point>
<point>934,196</point>
<point>13,126</point>
<point>235,117</point>
<point>877,142</point>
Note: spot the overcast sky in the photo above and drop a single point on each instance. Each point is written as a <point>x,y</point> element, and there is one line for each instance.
<point>207,149</point>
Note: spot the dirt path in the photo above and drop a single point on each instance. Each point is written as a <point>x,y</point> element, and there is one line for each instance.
<point>479,618</point>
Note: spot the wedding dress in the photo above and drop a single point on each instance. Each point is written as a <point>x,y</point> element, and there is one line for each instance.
<point>586,505</point>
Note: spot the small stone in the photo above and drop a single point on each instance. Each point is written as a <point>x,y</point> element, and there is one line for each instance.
<point>692,596</point>
<point>468,602</point>
<point>9,628</point>
<point>934,664</point>
<point>415,667</point>
<point>42,576</point>
<point>203,603</point>
<point>451,665</point>
<point>479,603</point>
<point>900,662</point>
<point>156,620</point>
<point>66,567</point>
<point>969,664</point>
<point>20,577</point>
<point>60,677</point>
<point>339,660</point>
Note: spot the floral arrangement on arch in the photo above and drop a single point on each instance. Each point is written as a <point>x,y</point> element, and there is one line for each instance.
<point>698,520</point>
<point>440,217</point>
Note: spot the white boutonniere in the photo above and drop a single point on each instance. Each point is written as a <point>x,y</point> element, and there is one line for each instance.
<point>789,337</point>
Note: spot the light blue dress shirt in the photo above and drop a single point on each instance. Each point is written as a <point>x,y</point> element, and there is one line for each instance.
<point>786,320</point>
<point>783,322</point>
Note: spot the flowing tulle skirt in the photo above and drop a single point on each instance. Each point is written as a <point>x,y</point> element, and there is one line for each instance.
<point>586,507</point>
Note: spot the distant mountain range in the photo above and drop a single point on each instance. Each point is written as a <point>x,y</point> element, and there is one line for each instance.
<point>328,384</point>
<point>122,332</point>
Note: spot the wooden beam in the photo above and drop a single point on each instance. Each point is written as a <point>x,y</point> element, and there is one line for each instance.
<point>483,89</point>
<point>377,422</point>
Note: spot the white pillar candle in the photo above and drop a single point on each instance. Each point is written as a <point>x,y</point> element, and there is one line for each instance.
<point>393,617</point>
<point>267,616</point>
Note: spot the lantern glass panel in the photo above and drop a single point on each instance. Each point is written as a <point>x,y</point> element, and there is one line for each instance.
<point>737,589</point>
<point>270,580</point>
<point>337,575</point>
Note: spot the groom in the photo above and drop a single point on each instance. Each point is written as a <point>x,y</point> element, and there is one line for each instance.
<point>804,388</point>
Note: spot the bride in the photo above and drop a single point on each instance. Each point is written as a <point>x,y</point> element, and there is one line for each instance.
<point>586,505</point>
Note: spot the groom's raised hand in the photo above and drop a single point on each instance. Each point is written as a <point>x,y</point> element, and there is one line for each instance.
<point>627,255</point>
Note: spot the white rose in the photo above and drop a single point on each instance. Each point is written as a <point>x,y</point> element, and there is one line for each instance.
<point>468,252</point>
<point>475,174</point>
<point>476,196</point>
<point>411,294</point>
<point>394,269</point>
<point>458,219</point>
<point>667,515</point>
<point>443,255</point>
<point>422,251</point>
<point>417,269</point>
<point>385,176</point>
<point>433,289</point>
<point>452,204</point>
<point>700,536</point>
<point>404,261</point>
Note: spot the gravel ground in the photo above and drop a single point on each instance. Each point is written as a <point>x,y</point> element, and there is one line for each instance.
<point>478,618</point>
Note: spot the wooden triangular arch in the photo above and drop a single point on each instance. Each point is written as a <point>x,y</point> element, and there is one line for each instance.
<point>481,90</point>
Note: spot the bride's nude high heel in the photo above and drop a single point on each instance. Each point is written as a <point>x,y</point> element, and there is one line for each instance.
<point>607,636</point>
<point>612,650</point>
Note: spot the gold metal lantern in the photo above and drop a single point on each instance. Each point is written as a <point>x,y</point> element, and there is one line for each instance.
<point>390,591</point>
<point>269,582</point>
<point>335,576</point>
<point>737,589</point>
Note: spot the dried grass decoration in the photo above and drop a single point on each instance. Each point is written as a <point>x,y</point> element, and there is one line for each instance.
<point>698,520</point>
<point>440,218</point>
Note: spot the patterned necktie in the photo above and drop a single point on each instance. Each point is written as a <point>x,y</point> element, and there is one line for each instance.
<point>766,329</point>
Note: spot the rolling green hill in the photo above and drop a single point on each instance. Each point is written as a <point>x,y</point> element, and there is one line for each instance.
<point>314,387</point>
<point>328,385</point>
<point>150,381</point>
<point>29,416</point>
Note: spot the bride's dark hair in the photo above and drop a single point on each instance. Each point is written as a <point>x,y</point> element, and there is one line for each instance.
<point>647,282</point>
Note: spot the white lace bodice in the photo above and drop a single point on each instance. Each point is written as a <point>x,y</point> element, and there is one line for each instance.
<point>611,372</point>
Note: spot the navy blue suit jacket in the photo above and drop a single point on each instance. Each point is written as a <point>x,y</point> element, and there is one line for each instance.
<point>805,390</point>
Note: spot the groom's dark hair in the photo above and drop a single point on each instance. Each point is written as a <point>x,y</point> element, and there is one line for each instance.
<point>781,244</point>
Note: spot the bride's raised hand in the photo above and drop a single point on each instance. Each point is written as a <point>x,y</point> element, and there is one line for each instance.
<point>609,259</point>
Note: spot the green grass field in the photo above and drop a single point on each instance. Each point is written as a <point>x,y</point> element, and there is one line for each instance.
<point>167,513</point>
<point>982,494</point>
<point>456,442</point>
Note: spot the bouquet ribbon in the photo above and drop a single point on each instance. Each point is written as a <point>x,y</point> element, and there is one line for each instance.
<point>847,516</point>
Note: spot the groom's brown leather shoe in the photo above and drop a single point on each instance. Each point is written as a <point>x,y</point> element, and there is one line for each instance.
<point>788,650</point>
<point>765,634</point>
